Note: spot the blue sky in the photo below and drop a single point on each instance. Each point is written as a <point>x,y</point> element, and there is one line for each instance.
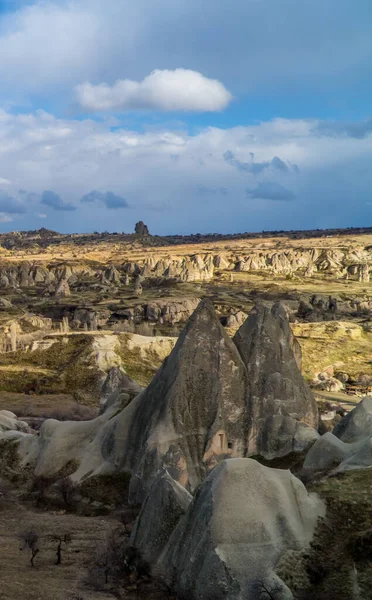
<point>191,115</point>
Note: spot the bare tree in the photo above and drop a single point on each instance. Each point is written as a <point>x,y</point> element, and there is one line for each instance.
<point>39,486</point>
<point>109,563</point>
<point>266,590</point>
<point>103,565</point>
<point>66,489</point>
<point>30,539</point>
<point>60,540</point>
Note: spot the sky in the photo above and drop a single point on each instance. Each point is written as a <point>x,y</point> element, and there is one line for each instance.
<point>195,116</point>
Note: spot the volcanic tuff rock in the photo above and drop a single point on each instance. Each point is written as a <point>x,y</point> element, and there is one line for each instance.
<point>141,228</point>
<point>193,410</point>
<point>63,289</point>
<point>164,311</point>
<point>163,507</point>
<point>204,404</point>
<point>280,404</point>
<point>118,387</point>
<point>357,424</point>
<point>10,426</point>
<point>240,522</point>
<point>350,444</point>
<point>341,262</point>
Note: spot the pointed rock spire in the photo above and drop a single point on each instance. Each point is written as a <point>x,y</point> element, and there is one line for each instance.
<point>63,289</point>
<point>279,401</point>
<point>193,411</point>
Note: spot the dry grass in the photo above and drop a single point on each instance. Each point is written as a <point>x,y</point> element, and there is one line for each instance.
<point>332,343</point>
<point>46,581</point>
<point>45,406</point>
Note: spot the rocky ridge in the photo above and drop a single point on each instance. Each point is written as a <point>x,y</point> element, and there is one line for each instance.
<point>346,262</point>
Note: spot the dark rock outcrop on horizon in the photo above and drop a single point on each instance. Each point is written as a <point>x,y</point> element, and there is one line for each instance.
<point>141,228</point>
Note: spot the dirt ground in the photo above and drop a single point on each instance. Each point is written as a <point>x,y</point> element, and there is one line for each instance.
<point>46,581</point>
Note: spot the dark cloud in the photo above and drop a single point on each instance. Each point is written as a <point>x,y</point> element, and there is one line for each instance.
<point>109,199</point>
<point>11,205</point>
<point>358,130</point>
<point>54,201</point>
<point>92,197</point>
<point>278,163</point>
<point>257,167</point>
<point>112,201</point>
<point>269,190</point>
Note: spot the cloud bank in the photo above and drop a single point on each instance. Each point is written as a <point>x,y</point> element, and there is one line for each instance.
<point>179,181</point>
<point>50,46</point>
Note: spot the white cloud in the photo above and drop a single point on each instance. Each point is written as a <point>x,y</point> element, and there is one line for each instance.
<point>41,215</point>
<point>178,90</point>
<point>5,218</point>
<point>4,181</point>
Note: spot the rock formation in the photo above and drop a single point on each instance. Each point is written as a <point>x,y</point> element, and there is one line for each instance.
<point>363,273</point>
<point>112,275</point>
<point>11,427</point>
<point>167,311</point>
<point>193,411</point>
<point>141,228</point>
<point>357,424</point>
<point>63,289</point>
<point>166,502</point>
<point>206,402</point>
<point>242,519</point>
<point>355,263</point>
<point>118,388</point>
<point>349,446</point>
<point>282,411</point>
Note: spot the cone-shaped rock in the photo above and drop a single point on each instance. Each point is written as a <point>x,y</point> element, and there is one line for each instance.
<point>281,406</point>
<point>193,411</point>
<point>63,289</point>
<point>242,519</point>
